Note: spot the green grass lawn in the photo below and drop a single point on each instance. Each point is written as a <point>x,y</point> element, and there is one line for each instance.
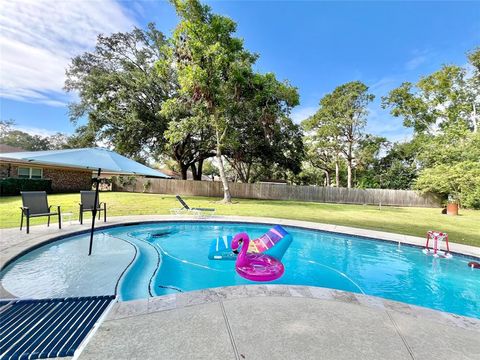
<point>464,229</point>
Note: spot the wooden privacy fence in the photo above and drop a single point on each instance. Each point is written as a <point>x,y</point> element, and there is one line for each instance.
<point>281,192</point>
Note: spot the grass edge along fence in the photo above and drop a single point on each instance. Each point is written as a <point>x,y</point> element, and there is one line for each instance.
<point>266,191</point>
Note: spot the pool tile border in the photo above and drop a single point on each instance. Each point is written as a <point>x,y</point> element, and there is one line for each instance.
<point>122,310</point>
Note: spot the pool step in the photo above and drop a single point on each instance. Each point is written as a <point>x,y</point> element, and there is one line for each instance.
<point>40,329</point>
<point>135,283</point>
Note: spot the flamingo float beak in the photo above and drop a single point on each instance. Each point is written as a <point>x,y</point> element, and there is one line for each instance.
<point>235,251</point>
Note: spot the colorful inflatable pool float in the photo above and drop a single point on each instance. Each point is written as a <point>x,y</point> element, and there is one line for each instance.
<point>274,243</point>
<point>255,267</point>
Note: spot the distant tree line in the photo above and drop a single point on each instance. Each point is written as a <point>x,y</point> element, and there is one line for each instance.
<point>443,155</point>
<point>194,102</point>
<point>10,135</point>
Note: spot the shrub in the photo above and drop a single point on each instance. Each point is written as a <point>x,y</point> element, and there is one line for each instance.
<point>460,181</point>
<point>146,186</point>
<point>13,186</point>
<point>122,183</point>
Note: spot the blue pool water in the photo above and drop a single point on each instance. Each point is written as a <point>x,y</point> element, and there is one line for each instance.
<point>178,261</point>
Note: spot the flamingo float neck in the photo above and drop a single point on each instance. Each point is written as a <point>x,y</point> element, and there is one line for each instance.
<point>241,238</point>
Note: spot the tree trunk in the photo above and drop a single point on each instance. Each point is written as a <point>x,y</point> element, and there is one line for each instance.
<point>227,197</point>
<point>197,171</point>
<point>337,173</point>
<point>193,169</point>
<point>249,168</point>
<point>200,169</point>
<point>349,165</point>
<point>349,173</point>
<point>327,178</point>
<point>183,169</point>
<point>240,173</point>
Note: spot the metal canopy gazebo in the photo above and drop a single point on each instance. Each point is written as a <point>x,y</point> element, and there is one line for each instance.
<point>99,159</point>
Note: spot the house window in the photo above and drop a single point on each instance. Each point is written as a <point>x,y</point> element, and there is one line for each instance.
<point>30,173</point>
<point>36,173</point>
<point>24,173</point>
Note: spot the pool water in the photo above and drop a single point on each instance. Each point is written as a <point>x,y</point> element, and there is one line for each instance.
<point>175,260</point>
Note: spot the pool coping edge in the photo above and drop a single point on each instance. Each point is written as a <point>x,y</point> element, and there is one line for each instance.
<point>141,307</point>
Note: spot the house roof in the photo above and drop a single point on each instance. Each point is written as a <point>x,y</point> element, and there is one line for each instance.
<point>171,173</point>
<point>85,158</point>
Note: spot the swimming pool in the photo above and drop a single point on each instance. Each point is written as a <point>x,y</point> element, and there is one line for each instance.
<point>155,259</point>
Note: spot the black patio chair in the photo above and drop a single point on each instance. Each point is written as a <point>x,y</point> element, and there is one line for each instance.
<point>35,204</point>
<point>87,199</point>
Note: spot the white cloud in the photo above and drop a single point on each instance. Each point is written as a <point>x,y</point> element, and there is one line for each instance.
<point>383,86</point>
<point>301,113</point>
<point>35,131</point>
<point>419,58</point>
<point>415,62</point>
<point>39,37</point>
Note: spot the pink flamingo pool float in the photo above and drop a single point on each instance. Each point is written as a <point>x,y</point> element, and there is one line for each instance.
<point>255,267</point>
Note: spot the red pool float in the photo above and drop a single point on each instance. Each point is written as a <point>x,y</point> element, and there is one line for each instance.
<point>474,265</point>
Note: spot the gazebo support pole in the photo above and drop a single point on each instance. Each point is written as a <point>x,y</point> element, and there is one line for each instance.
<point>94,211</point>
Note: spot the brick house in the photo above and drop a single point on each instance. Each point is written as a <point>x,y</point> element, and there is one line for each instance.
<point>64,179</point>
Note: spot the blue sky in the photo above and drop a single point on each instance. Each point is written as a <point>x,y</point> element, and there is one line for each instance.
<point>316,45</point>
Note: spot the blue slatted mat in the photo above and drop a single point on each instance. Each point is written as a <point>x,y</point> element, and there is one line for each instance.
<point>39,329</point>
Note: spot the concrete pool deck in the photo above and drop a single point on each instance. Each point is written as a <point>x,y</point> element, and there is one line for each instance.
<point>269,321</point>
<point>280,322</point>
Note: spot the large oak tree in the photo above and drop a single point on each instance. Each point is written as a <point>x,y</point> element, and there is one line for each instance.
<point>121,93</point>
